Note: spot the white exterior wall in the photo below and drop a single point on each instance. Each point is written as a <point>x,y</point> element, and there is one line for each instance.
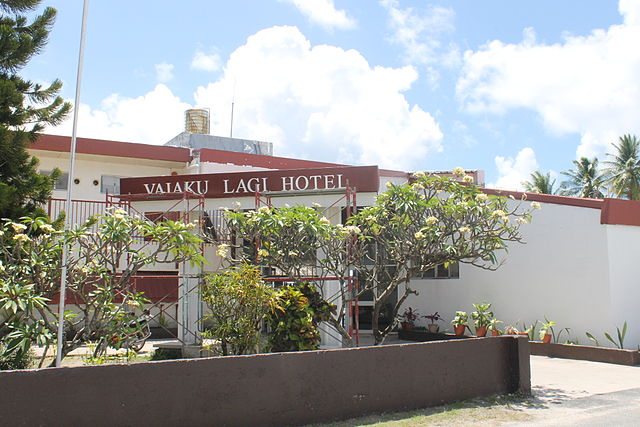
<point>396,180</point>
<point>624,248</point>
<point>89,167</point>
<point>562,272</point>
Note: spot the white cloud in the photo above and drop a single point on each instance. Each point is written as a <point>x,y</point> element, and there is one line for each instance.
<point>324,13</point>
<point>320,102</point>
<point>203,62</point>
<point>316,102</point>
<point>461,132</point>
<point>153,118</point>
<point>513,172</point>
<point>164,72</point>
<point>419,34</point>
<point>586,85</point>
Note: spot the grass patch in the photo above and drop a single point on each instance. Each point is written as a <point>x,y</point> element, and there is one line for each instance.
<point>489,410</point>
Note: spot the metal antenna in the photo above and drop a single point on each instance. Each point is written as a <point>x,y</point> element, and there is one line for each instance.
<point>233,102</point>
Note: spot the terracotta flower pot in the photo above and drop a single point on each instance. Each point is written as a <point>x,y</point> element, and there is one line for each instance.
<point>546,339</point>
<point>481,331</point>
<point>407,326</point>
<point>459,329</point>
<point>495,333</point>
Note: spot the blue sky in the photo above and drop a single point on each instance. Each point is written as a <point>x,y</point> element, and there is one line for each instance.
<point>507,87</point>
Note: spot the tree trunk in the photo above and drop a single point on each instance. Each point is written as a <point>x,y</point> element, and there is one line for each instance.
<point>378,337</point>
<point>347,340</point>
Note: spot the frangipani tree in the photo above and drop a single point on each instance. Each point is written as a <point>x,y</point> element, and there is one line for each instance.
<point>434,220</point>
<point>298,241</point>
<point>410,229</point>
<point>105,254</point>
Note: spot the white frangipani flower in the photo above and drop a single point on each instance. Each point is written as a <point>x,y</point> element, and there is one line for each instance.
<point>458,172</point>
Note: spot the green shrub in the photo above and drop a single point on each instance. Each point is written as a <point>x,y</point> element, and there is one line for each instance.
<point>239,301</point>
<point>294,320</point>
<point>16,360</point>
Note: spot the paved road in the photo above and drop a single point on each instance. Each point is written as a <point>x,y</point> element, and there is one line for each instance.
<point>581,393</point>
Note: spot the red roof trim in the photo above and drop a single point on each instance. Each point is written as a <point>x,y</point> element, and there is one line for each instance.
<point>260,160</point>
<point>394,174</point>
<point>612,211</point>
<point>620,212</point>
<point>102,147</point>
<point>548,198</point>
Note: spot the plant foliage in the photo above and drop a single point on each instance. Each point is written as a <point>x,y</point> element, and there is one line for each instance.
<point>410,229</point>
<point>25,109</point>
<point>238,300</point>
<point>106,252</point>
<point>623,168</point>
<point>294,320</point>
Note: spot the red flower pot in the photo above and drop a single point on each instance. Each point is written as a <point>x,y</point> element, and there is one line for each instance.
<point>481,331</point>
<point>407,326</point>
<point>459,329</point>
<point>495,333</point>
<point>546,339</point>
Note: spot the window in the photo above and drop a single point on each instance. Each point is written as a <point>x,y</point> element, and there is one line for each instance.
<point>61,183</point>
<point>452,271</point>
<point>110,184</point>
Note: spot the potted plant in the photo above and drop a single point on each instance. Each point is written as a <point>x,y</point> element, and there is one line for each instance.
<point>459,322</point>
<point>408,318</point>
<point>481,318</point>
<point>511,330</point>
<point>493,327</point>
<point>433,326</point>
<point>546,331</point>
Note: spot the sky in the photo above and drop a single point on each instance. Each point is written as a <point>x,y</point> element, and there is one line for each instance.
<point>503,86</point>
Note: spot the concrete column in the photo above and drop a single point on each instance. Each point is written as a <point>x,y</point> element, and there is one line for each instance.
<point>189,306</point>
<point>329,336</point>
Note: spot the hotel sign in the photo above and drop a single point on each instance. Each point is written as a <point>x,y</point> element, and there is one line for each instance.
<point>239,184</point>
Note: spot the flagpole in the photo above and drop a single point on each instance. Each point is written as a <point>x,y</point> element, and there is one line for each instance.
<point>68,210</point>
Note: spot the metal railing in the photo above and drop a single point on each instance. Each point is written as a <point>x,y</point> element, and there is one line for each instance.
<point>213,225</point>
<point>80,212</point>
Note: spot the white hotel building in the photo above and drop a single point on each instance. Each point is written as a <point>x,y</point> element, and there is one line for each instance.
<point>578,267</point>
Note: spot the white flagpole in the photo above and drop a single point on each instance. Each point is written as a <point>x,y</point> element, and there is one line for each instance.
<point>68,210</point>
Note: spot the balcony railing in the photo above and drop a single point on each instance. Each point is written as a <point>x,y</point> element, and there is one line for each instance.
<point>213,226</point>
<point>80,212</point>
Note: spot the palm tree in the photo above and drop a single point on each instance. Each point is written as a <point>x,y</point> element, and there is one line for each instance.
<point>585,180</point>
<point>623,171</point>
<point>540,183</point>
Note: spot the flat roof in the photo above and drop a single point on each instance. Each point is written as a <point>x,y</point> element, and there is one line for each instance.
<point>103,147</point>
<point>260,160</point>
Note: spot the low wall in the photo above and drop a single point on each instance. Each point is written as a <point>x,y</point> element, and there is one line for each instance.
<point>268,389</point>
<point>582,352</point>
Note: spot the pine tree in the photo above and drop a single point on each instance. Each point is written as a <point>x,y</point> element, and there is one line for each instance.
<point>25,109</point>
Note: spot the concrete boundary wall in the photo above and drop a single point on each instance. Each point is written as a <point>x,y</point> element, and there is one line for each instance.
<point>269,389</point>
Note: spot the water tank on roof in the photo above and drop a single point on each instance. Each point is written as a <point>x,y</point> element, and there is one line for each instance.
<point>196,120</point>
